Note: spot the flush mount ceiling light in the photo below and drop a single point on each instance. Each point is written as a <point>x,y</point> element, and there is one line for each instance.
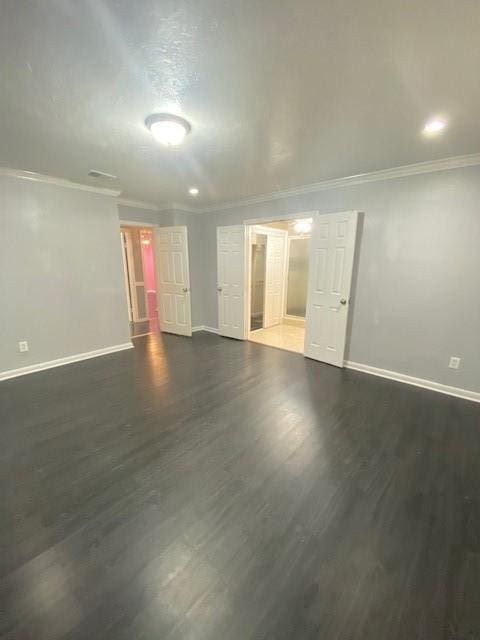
<point>434,126</point>
<point>303,226</point>
<point>193,191</point>
<point>168,129</point>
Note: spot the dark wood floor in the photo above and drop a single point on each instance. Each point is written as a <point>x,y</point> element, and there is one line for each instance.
<point>208,489</point>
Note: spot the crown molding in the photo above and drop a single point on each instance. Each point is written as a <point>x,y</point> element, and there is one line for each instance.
<point>59,182</point>
<point>185,208</point>
<point>445,164</point>
<point>139,204</point>
<point>164,208</point>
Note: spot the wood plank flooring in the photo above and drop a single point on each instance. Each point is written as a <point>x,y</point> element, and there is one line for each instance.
<point>204,489</point>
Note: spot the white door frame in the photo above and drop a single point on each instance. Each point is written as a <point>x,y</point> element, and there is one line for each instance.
<point>123,243</point>
<point>266,231</point>
<point>248,281</point>
<point>250,224</point>
<point>134,223</point>
<point>133,283</point>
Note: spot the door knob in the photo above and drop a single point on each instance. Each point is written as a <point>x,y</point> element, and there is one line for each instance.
<point>185,290</point>
<point>219,289</point>
<point>343,301</point>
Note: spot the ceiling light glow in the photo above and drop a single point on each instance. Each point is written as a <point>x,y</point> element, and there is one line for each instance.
<point>193,191</point>
<point>434,126</point>
<point>168,129</point>
<point>302,226</point>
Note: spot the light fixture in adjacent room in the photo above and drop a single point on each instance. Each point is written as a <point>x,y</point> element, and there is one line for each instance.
<point>303,226</point>
<point>168,129</point>
<point>433,127</point>
<point>193,191</point>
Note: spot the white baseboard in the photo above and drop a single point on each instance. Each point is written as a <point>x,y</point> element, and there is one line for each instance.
<point>416,382</point>
<point>41,366</point>
<point>203,327</point>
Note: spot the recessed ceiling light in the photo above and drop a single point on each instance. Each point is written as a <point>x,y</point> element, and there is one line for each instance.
<point>168,129</point>
<point>193,191</point>
<point>434,126</point>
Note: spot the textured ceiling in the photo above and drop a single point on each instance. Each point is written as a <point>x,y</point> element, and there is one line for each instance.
<point>280,93</point>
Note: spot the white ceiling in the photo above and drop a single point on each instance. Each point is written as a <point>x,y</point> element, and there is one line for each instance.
<point>280,93</point>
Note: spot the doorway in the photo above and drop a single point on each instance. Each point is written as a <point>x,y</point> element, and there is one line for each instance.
<point>140,281</point>
<point>278,283</point>
<point>276,311</point>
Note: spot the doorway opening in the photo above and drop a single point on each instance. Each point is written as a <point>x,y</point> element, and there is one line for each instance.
<point>279,265</point>
<point>140,281</point>
<point>277,320</point>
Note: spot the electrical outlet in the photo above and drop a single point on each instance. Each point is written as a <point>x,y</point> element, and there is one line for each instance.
<point>454,363</point>
<point>23,346</point>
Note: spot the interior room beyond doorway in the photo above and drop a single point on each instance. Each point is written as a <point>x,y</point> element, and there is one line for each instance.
<point>279,256</point>
<point>140,281</point>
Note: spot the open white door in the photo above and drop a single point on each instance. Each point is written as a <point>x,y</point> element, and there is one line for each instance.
<point>275,277</point>
<point>173,280</point>
<point>332,248</point>
<point>231,259</point>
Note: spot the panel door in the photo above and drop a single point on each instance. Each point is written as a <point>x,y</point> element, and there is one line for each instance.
<point>173,280</point>
<point>332,248</point>
<point>231,259</point>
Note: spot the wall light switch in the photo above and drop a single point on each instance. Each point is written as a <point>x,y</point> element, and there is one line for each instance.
<point>23,346</point>
<point>454,363</point>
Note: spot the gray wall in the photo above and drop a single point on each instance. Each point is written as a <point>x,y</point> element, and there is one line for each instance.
<point>416,297</point>
<point>61,279</point>
<point>196,232</point>
<point>417,282</point>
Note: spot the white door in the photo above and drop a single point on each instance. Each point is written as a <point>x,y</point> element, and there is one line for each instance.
<point>332,248</point>
<point>275,277</point>
<point>173,280</point>
<point>231,247</point>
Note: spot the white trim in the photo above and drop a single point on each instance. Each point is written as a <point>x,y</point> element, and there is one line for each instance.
<point>138,204</point>
<point>41,366</point>
<point>123,243</point>
<point>133,282</point>
<point>247,285</point>
<point>444,164</point>
<point>203,327</point>
<point>416,382</point>
<point>287,217</point>
<point>185,208</point>
<point>142,335</point>
<point>135,223</point>
<point>59,182</point>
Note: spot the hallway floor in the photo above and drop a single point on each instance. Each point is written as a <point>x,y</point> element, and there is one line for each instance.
<point>282,336</point>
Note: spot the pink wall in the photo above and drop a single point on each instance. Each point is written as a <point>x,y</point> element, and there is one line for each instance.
<point>146,238</point>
